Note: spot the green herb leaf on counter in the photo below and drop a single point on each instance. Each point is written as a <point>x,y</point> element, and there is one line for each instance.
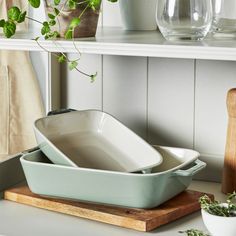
<point>193,232</point>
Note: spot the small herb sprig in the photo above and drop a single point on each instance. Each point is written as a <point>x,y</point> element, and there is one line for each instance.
<point>193,232</point>
<point>16,16</point>
<point>216,208</point>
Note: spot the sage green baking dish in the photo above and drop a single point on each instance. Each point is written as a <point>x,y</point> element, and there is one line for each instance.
<point>117,188</point>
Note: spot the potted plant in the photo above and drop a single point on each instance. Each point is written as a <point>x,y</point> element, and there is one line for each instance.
<point>219,218</point>
<point>67,19</point>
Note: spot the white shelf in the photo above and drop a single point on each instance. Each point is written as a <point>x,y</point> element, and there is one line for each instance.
<point>115,41</point>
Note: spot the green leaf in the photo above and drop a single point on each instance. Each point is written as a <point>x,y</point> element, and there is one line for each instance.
<point>74,23</point>
<point>52,22</point>
<point>2,23</point>
<point>21,17</point>
<point>56,11</point>
<point>73,65</point>
<point>9,29</point>
<point>34,3</point>
<point>112,0</point>
<point>193,232</point>
<point>56,2</point>
<point>45,23</point>
<point>52,35</point>
<point>69,34</point>
<point>61,58</point>
<point>13,13</point>
<point>51,16</point>
<point>94,4</point>
<point>93,77</point>
<point>72,4</point>
<point>45,29</point>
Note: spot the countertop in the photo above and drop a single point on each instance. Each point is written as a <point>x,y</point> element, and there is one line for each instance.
<point>21,220</point>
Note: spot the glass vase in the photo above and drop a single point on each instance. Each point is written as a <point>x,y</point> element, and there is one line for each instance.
<point>224,19</point>
<point>184,19</point>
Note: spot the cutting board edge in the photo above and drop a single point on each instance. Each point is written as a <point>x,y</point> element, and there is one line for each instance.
<point>139,225</point>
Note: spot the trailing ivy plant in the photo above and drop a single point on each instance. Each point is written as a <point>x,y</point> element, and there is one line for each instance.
<point>16,16</point>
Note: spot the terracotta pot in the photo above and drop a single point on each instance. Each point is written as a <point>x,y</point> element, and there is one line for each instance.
<point>89,20</point>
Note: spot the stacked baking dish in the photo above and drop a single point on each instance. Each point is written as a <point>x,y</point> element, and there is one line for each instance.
<point>170,174</point>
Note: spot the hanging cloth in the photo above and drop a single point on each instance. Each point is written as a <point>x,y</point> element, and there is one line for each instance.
<point>20,98</point>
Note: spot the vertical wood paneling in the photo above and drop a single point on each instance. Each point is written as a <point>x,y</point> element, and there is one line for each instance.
<point>213,80</point>
<point>171,102</point>
<point>77,90</point>
<point>111,14</point>
<point>124,90</point>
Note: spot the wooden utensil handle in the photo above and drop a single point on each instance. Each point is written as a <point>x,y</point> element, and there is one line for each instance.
<point>229,171</point>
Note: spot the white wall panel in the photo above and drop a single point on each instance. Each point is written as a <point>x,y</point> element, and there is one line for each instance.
<point>77,90</point>
<point>40,64</point>
<point>125,90</point>
<point>111,14</point>
<point>213,80</point>
<point>171,102</point>
<point>213,170</point>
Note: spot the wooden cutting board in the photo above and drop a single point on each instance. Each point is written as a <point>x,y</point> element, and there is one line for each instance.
<point>138,219</point>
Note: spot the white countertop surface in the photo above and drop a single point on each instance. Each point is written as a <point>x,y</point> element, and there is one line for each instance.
<point>21,220</point>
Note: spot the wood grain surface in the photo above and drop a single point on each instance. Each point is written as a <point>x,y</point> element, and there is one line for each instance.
<point>229,171</point>
<point>138,219</point>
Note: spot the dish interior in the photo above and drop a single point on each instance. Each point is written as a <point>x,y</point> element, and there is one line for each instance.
<point>94,139</point>
<point>173,158</point>
<point>93,150</point>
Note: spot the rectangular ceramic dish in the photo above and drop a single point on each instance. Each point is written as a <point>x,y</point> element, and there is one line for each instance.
<point>109,187</point>
<point>93,139</point>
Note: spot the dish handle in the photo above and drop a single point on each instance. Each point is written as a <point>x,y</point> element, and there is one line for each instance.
<point>60,111</point>
<point>199,165</point>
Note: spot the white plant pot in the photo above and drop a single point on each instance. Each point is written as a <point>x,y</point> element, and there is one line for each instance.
<point>219,225</point>
<point>138,14</point>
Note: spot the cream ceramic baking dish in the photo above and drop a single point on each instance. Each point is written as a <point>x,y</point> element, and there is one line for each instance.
<point>93,139</point>
<point>109,187</point>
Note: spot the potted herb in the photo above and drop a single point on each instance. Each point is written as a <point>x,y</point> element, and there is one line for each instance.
<point>219,218</point>
<point>67,19</point>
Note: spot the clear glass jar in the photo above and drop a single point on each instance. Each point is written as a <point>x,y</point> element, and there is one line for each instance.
<point>184,19</point>
<point>224,19</point>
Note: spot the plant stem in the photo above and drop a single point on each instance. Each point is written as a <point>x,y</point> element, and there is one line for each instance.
<point>67,59</point>
<point>28,17</point>
<point>81,14</point>
<point>79,3</point>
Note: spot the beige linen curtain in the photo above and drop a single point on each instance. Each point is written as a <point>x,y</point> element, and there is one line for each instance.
<point>20,99</point>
